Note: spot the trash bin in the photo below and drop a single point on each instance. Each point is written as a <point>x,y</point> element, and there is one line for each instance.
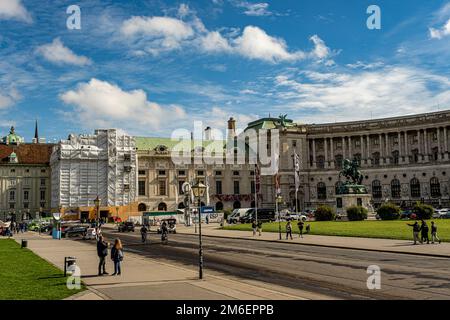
<point>68,261</point>
<point>24,243</point>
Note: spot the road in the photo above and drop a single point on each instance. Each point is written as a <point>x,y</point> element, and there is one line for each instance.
<point>332,272</point>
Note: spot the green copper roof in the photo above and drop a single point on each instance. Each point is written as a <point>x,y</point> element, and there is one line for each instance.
<point>145,143</point>
<point>270,123</point>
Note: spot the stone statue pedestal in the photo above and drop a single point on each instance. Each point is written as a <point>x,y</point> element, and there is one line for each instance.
<point>353,195</point>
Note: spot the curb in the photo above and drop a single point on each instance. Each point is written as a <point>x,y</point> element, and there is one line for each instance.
<point>332,246</point>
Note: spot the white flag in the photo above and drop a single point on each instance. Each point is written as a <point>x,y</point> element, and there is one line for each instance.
<point>296,171</point>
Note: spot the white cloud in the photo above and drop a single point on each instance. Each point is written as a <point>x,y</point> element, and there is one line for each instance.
<point>389,91</point>
<point>102,104</point>
<point>14,10</point>
<point>365,66</point>
<point>442,32</point>
<point>254,9</point>
<point>160,33</point>
<point>7,99</point>
<point>214,42</point>
<point>57,53</point>
<point>255,43</point>
<point>183,10</point>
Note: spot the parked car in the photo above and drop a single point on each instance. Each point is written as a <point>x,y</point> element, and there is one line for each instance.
<point>126,226</point>
<point>91,233</point>
<point>74,231</point>
<point>440,213</point>
<point>406,214</point>
<point>265,215</point>
<point>171,225</point>
<point>237,214</point>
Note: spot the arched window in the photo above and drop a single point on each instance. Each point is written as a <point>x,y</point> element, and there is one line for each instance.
<point>338,159</point>
<point>181,205</point>
<point>395,157</point>
<point>395,189</point>
<point>219,206</point>
<point>320,162</point>
<point>236,205</point>
<point>142,207</point>
<point>376,189</point>
<point>435,187</point>
<point>414,186</point>
<point>376,158</point>
<point>321,191</point>
<point>162,206</point>
<point>337,187</point>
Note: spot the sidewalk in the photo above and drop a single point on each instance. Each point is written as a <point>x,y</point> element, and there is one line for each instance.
<point>144,278</point>
<point>371,244</point>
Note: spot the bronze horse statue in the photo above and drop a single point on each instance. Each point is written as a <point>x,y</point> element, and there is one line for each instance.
<point>350,170</point>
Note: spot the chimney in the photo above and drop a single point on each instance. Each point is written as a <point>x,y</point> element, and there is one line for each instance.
<point>232,127</point>
<point>208,133</point>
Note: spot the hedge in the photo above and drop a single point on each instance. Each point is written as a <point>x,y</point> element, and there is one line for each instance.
<point>356,213</point>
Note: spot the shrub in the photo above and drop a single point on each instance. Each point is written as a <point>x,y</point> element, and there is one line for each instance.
<point>389,211</point>
<point>356,213</point>
<point>325,213</point>
<point>423,211</point>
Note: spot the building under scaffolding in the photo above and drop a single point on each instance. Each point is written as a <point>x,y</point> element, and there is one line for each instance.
<point>86,166</point>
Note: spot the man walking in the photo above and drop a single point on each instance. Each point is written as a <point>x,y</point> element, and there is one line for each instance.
<point>288,229</point>
<point>254,227</point>
<point>434,235</point>
<point>300,225</point>
<point>102,252</point>
<point>416,230</point>
<point>259,227</point>
<point>424,228</point>
<point>144,234</point>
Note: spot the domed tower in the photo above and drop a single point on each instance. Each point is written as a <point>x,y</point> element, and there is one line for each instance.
<point>12,138</point>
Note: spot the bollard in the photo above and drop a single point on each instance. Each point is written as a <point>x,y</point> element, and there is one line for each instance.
<point>68,261</point>
<point>24,244</point>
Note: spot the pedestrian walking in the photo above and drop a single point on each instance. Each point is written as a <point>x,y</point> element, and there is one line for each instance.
<point>259,227</point>
<point>117,256</point>
<point>434,235</point>
<point>144,234</point>
<point>300,225</point>
<point>164,232</point>
<point>416,230</point>
<point>254,226</point>
<point>424,232</point>
<point>102,252</point>
<point>288,229</point>
<point>207,218</point>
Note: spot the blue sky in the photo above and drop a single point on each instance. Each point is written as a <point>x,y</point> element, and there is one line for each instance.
<point>148,67</point>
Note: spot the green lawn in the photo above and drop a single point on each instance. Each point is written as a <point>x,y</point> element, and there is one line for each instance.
<point>26,276</point>
<point>368,229</point>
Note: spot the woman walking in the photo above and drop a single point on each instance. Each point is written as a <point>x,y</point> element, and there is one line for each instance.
<point>117,256</point>
<point>288,229</point>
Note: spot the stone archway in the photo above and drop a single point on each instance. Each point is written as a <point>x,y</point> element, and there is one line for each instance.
<point>236,205</point>
<point>162,206</point>
<point>142,207</point>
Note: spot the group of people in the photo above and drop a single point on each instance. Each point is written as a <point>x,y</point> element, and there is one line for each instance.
<point>146,228</point>
<point>257,228</point>
<point>14,228</point>
<point>423,230</point>
<point>116,256</point>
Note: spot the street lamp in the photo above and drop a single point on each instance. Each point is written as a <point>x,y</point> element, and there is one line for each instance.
<point>277,201</point>
<point>199,190</point>
<point>97,209</point>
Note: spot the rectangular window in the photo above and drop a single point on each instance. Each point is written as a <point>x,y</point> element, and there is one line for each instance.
<point>162,172</point>
<point>162,187</point>
<point>42,195</point>
<point>12,182</point>
<point>26,195</point>
<point>294,143</point>
<point>236,187</point>
<point>200,173</point>
<point>235,173</point>
<point>142,172</point>
<point>181,172</point>
<point>218,187</point>
<point>12,195</point>
<point>252,187</point>
<point>42,182</point>
<point>218,173</point>
<point>141,187</point>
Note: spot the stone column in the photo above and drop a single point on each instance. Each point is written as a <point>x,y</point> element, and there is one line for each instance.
<point>343,147</point>
<point>325,145</point>
<point>331,153</point>
<point>406,148</point>
<point>314,153</point>
<point>445,144</point>
<point>399,140</point>
<point>350,155</point>
<point>438,133</point>
<point>425,142</point>
<point>386,139</point>
<point>361,146</point>
<point>369,162</point>
<point>380,142</point>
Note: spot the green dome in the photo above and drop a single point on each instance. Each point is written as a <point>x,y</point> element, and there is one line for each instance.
<point>12,138</point>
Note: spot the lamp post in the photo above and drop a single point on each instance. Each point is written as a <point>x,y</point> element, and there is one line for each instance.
<point>199,190</point>
<point>277,201</point>
<point>97,210</point>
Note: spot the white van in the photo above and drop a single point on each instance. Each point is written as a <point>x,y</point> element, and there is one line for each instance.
<point>237,214</point>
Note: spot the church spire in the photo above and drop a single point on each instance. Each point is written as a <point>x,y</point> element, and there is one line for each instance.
<point>36,135</point>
